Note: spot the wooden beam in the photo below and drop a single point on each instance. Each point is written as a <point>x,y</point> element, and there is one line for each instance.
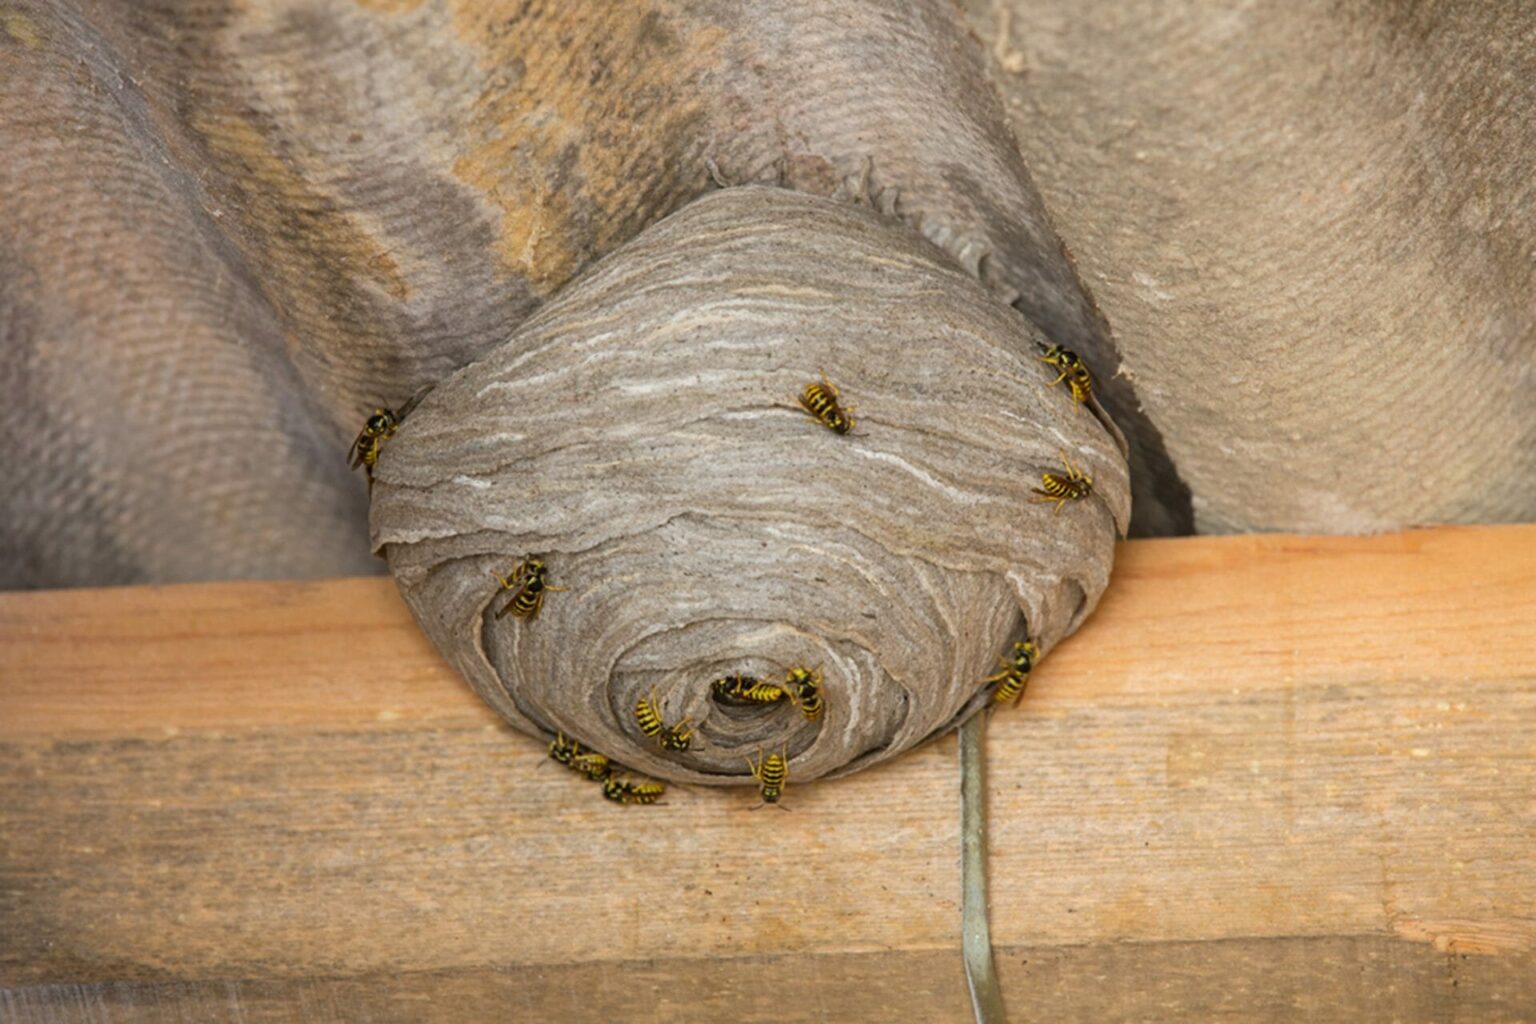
<point>1273,776</point>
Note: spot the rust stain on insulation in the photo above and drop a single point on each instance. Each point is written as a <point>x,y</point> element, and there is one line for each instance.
<point>580,133</point>
<point>389,6</point>
<point>317,230</point>
<point>21,29</point>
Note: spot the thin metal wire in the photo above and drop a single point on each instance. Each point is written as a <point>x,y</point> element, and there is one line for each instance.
<point>975,935</point>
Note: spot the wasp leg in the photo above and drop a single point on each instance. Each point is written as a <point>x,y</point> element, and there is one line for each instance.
<point>513,578</point>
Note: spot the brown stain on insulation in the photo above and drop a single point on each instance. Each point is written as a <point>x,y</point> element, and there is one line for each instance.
<point>389,6</point>
<point>575,138</point>
<point>313,235</point>
<point>20,29</point>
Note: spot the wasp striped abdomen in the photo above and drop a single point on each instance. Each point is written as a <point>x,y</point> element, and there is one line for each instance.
<point>745,691</point>
<point>377,429</point>
<point>593,765</point>
<point>668,737</point>
<point>804,686</point>
<point>568,752</point>
<point>1074,486</point>
<point>677,737</point>
<point>1015,672</point>
<point>1072,370</point>
<point>529,583</point>
<point>649,717</point>
<point>771,773</point>
<point>564,751</point>
<point>821,400</point>
<point>625,792</point>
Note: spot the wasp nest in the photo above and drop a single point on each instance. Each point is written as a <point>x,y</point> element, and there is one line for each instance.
<point>641,435</point>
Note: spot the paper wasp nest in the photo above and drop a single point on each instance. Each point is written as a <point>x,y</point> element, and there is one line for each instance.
<point>640,434</point>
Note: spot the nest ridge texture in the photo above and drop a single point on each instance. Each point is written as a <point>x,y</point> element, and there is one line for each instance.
<point>640,434</point>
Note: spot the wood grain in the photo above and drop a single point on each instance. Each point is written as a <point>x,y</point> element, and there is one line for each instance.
<point>1274,777</point>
